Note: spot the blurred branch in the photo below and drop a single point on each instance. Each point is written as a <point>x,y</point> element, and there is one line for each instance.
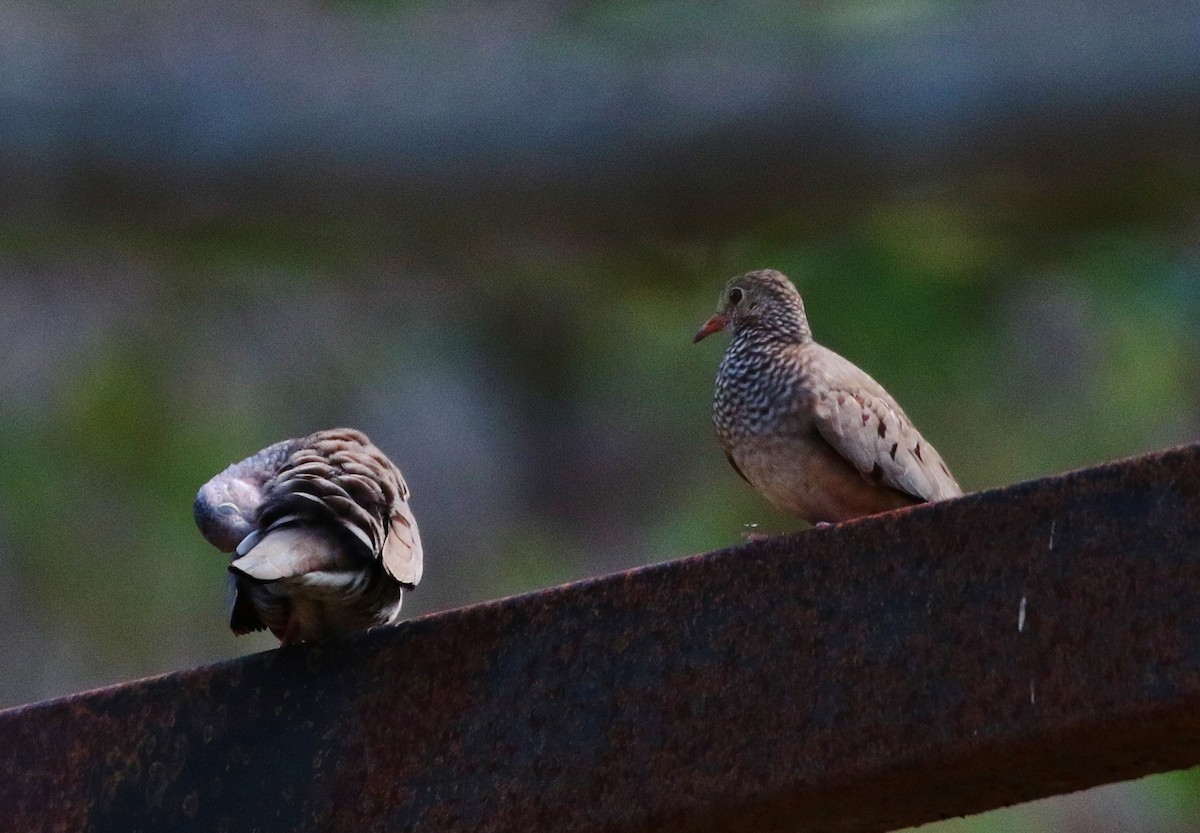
<point>642,113</point>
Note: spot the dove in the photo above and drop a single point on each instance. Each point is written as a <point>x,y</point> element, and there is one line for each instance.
<point>323,538</point>
<point>809,430</point>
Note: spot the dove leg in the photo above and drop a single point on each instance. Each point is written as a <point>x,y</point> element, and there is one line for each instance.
<point>291,633</point>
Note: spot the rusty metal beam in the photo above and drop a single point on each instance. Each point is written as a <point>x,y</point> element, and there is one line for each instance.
<point>928,663</point>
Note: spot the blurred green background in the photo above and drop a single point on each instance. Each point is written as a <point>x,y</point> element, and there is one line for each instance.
<point>485,233</point>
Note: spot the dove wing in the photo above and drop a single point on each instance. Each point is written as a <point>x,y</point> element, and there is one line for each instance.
<point>340,477</point>
<point>402,555</point>
<point>856,416</point>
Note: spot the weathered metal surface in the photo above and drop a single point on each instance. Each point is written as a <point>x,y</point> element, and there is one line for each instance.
<point>931,662</point>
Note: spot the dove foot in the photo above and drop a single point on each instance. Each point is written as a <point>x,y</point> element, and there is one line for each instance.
<point>291,634</point>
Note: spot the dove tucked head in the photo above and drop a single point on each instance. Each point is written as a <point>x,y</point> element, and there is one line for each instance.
<point>225,510</point>
<point>764,301</point>
<point>226,507</point>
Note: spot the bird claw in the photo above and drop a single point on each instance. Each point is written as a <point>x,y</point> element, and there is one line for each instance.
<point>291,634</point>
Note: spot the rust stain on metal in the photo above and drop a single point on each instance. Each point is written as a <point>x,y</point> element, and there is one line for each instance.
<point>858,678</point>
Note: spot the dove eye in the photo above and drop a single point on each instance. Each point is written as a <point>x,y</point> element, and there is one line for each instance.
<point>735,296</point>
<point>227,508</point>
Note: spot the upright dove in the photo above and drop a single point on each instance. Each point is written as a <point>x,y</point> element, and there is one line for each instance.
<point>814,434</point>
<point>324,540</point>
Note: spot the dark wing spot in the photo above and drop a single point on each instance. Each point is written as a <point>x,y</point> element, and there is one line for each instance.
<point>866,418</point>
<point>729,457</point>
<point>882,429</point>
<point>894,447</point>
<point>917,452</point>
<point>876,473</point>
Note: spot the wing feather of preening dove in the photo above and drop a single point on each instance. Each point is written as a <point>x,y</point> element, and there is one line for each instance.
<point>402,556</point>
<point>863,423</point>
<point>323,535</point>
<point>291,551</point>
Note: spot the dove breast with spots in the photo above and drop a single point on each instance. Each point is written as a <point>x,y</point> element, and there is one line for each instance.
<point>331,543</point>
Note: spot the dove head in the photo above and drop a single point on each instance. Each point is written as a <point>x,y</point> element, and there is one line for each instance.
<point>765,302</point>
<point>226,507</point>
<point>225,510</point>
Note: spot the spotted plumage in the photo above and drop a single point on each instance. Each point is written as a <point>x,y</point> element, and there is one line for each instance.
<point>324,540</point>
<point>808,429</point>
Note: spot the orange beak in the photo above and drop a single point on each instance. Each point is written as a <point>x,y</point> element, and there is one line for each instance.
<point>712,325</point>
